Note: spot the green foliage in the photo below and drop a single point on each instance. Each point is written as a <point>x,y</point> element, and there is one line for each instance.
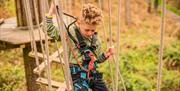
<point>136,82</point>
<point>173,9</point>
<point>171,80</point>
<point>10,78</point>
<point>7,8</point>
<point>139,69</point>
<point>172,56</point>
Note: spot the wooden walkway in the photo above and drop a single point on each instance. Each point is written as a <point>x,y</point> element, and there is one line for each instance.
<point>9,33</point>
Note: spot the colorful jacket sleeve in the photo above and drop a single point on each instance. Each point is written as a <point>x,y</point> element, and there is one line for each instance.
<point>100,55</point>
<point>52,30</point>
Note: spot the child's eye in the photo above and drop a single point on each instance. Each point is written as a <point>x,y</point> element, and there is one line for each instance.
<point>87,30</point>
<point>93,30</point>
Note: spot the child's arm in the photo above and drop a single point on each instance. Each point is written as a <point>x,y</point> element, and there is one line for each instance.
<point>102,56</point>
<point>51,28</point>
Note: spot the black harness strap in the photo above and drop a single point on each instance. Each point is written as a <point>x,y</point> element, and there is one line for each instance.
<point>82,44</point>
<point>93,42</point>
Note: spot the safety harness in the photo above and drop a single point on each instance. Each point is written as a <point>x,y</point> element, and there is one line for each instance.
<point>81,72</point>
<point>86,51</point>
<point>89,62</point>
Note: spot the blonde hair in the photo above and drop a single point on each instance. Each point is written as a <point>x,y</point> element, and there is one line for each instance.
<point>91,14</point>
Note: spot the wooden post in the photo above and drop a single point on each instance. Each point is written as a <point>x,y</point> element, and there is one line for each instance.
<point>20,12</point>
<point>29,65</point>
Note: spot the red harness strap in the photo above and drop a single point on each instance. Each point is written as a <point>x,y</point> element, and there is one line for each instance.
<point>91,63</point>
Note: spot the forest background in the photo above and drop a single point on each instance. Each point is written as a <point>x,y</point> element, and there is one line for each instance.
<point>139,47</point>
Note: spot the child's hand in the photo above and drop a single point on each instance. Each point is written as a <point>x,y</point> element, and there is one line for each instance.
<point>109,52</point>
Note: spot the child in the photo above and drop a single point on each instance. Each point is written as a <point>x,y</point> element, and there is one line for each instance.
<point>83,36</point>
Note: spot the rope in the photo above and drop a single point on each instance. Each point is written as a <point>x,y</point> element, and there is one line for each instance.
<point>44,9</point>
<point>161,46</point>
<point>118,47</point>
<point>103,25</point>
<point>64,43</point>
<point>39,30</point>
<point>105,36</point>
<point>30,24</point>
<point>59,57</point>
<point>110,30</point>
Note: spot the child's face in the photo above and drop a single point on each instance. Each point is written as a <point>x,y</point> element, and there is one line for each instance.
<point>87,30</point>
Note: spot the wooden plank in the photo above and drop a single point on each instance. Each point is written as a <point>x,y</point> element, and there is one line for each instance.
<point>52,57</point>
<point>17,36</point>
<point>9,23</point>
<point>55,54</point>
<point>54,83</point>
<point>40,55</point>
<point>43,65</point>
<point>61,89</point>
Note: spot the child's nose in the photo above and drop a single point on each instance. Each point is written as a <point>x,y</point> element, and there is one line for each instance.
<point>89,33</point>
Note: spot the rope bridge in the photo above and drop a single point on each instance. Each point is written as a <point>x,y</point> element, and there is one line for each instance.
<point>63,60</point>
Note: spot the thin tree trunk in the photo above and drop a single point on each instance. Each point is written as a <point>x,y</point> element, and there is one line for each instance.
<point>156,5</point>
<point>127,12</point>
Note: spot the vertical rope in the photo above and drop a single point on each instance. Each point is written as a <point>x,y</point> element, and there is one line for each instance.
<point>103,25</point>
<point>110,30</point>
<point>47,63</point>
<point>64,43</point>
<point>30,24</point>
<point>59,56</point>
<point>118,48</point>
<point>28,27</point>
<point>161,46</point>
<point>110,20</point>
<point>39,30</point>
<point>118,45</point>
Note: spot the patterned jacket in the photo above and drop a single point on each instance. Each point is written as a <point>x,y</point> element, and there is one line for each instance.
<point>52,31</point>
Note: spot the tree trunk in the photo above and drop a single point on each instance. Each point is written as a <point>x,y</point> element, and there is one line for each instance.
<point>156,4</point>
<point>127,12</point>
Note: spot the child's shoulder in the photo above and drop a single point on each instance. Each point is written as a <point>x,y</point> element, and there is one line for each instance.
<point>71,30</point>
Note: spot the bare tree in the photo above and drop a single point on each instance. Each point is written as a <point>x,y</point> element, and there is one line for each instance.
<point>156,4</point>
<point>127,12</point>
<point>149,6</point>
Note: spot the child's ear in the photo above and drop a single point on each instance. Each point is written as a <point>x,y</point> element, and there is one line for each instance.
<point>78,22</point>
